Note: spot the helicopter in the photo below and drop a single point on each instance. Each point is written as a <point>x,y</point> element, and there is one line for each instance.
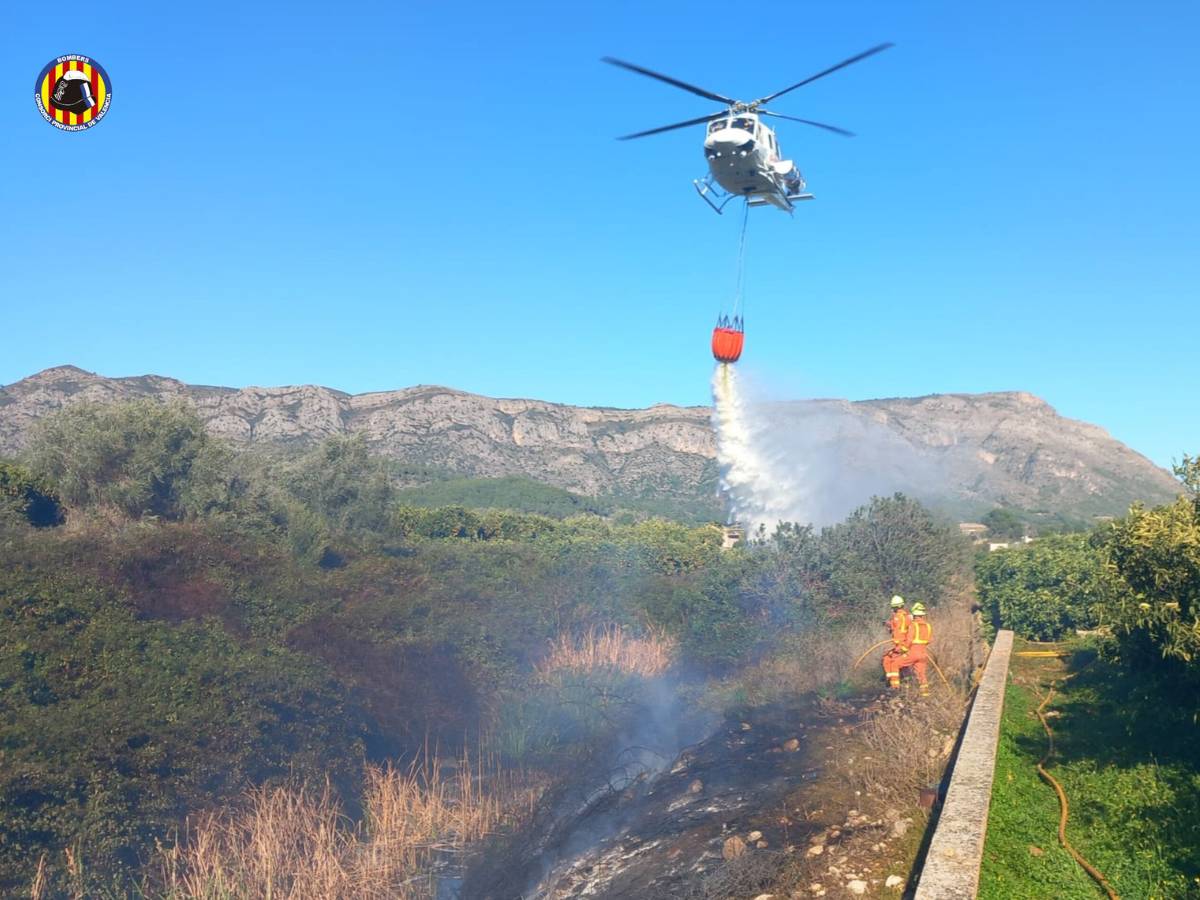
<point>744,159</point>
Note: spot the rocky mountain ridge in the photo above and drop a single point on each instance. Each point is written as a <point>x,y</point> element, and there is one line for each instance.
<point>988,449</point>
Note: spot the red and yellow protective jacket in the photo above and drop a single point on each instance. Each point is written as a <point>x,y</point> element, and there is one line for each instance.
<point>901,625</point>
<point>922,633</point>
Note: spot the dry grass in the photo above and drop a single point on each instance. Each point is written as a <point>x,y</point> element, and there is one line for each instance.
<point>908,746</point>
<point>957,646</point>
<point>296,843</point>
<point>610,648</point>
<point>38,889</point>
<point>810,662</point>
<point>76,889</point>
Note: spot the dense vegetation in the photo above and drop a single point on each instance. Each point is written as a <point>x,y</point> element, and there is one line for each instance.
<point>1125,712</point>
<point>1008,523</point>
<point>24,498</point>
<point>1138,577</point>
<point>512,492</point>
<point>1156,554</point>
<point>207,620</point>
<point>1131,774</point>
<point>1046,589</point>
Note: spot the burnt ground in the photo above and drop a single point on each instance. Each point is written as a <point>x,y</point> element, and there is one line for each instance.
<point>736,815</point>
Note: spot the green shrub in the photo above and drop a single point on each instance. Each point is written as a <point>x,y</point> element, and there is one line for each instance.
<point>28,498</point>
<point>1045,589</point>
<point>1156,553</point>
<point>135,457</point>
<point>513,493</point>
<point>1004,524</point>
<point>344,483</point>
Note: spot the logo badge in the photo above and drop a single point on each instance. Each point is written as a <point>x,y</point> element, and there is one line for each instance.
<point>73,92</point>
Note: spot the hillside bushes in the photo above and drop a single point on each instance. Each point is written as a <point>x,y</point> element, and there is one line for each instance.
<point>214,619</point>
<point>1138,576</point>
<point>893,545</point>
<point>112,727</point>
<point>136,458</point>
<point>25,497</point>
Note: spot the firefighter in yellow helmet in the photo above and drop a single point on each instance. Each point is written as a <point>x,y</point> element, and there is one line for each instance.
<point>900,624</point>
<point>921,634</point>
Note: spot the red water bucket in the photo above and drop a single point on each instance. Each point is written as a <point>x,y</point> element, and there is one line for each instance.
<point>727,344</point>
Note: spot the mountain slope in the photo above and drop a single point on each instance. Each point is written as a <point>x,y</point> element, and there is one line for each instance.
<point>975,451</point>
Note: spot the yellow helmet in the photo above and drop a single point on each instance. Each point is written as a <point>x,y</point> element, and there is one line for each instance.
<point>918,609</point>
<point>897,601</point>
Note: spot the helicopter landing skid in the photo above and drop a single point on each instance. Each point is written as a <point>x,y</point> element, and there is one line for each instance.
<point>705,187</point>
<point>779,200</point>
<point>708,191</point>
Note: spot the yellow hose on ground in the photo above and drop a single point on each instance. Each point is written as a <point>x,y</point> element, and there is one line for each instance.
<point>1061,654</point>
<point>1063,806</point>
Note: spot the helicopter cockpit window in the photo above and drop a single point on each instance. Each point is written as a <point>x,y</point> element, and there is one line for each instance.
<point>744,124</point>
<point>718,125</point>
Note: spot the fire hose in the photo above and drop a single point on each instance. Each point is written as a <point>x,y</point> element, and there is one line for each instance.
<point>1063,807</point>
<point>929,656</point>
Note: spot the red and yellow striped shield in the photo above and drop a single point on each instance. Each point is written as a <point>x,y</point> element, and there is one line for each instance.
<point>96,97</point>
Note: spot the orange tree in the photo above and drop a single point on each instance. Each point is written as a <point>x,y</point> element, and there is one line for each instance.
<point>1156,553</point>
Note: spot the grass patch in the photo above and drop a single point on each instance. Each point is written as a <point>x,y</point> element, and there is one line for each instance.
<point>1131,771</point>
<point>608,648</point>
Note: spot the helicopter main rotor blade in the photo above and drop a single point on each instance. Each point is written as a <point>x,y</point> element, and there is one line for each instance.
<point>708,95</point>
<point>833,128</point>
<point>702,119</point>
<point>841,65</point>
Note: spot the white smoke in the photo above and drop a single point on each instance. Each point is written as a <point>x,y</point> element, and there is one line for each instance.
<point>810,461</point>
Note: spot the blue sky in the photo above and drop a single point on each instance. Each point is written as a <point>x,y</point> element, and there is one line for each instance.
<point>373,195</point>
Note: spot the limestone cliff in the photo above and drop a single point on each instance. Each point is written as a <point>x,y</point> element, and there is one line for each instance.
<point>1008,448</point>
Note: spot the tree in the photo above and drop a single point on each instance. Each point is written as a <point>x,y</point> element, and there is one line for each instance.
<point>1004,524</point>
<point>892,546</point>
<point>341,481</point>
<point>1188,472</point>
<point>1156,552</point>
<point>135,458</point>
<point>1043,590</point>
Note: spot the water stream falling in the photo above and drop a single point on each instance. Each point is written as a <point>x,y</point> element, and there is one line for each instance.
<point>811,462</point>
<point>761,491</point>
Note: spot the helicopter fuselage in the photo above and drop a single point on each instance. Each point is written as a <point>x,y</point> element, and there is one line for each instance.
<point>743,158</point>
<point>743,155</point>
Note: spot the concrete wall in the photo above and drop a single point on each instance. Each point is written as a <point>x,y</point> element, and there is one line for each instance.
<point>951,869</point>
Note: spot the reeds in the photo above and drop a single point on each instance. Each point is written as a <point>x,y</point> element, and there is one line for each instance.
<point>610,648</point>
<point>37,890</point>
<point>295,842</point>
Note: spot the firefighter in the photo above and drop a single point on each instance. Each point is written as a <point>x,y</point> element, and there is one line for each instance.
<point>901,626</point>
<point>921,633</point>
